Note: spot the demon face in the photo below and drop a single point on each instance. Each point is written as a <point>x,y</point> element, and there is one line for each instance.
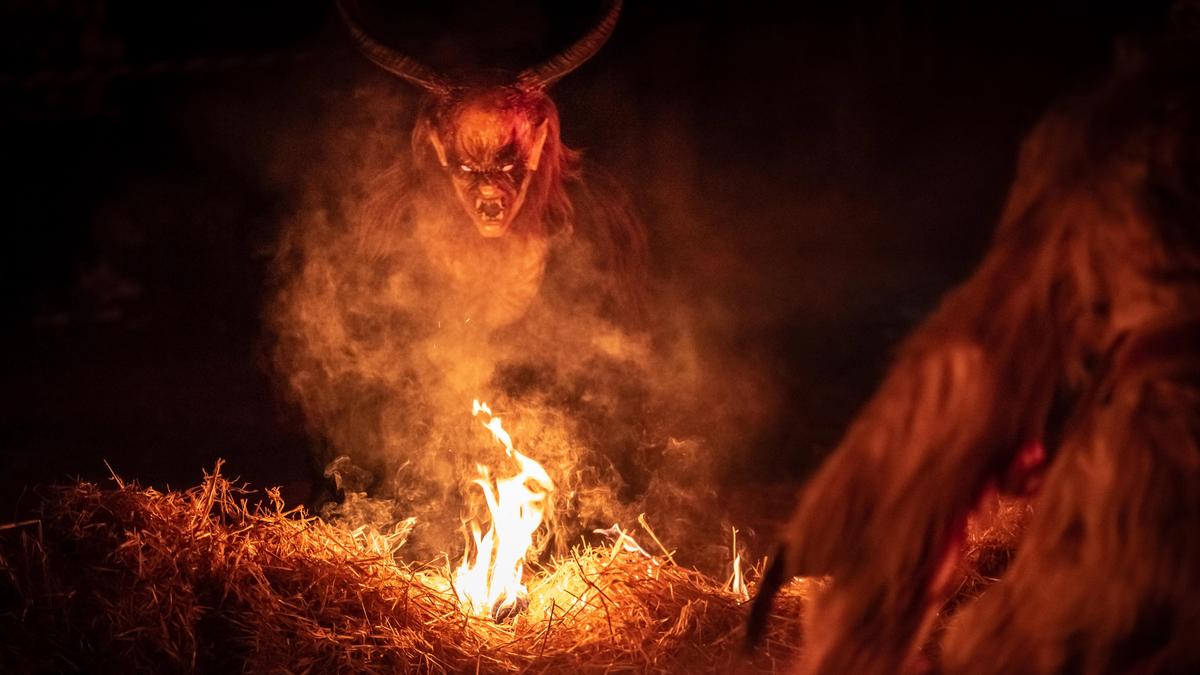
<point>490,131</point>
<point>490,145</point>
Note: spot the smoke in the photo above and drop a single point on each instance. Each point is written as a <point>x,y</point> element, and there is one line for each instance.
<point>778,284</point>
<point>391,315</point>
<point>781,205</point>
<point>783,267</point>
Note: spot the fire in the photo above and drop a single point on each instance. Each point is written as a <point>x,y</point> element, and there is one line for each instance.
<point>490,584</point>
<point>737,579</point>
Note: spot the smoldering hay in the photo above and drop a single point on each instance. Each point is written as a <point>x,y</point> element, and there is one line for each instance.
<point>132,579</point>
<point>219,578</point>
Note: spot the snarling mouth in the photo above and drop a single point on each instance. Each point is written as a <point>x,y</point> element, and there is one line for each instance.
<point>490,210</point>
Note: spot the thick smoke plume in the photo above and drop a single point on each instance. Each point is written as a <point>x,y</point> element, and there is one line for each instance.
<point>386,329</point>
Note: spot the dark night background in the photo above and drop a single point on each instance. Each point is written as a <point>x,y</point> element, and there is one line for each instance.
<point>819,176</point>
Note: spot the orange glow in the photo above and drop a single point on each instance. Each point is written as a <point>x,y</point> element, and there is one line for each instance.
<point>490,583</point>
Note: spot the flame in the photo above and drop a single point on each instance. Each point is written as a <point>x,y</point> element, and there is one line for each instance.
<point>490,585</point>
<point>737,580</point>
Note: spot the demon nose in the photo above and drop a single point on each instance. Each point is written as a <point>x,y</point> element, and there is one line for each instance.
<point>488,191</point>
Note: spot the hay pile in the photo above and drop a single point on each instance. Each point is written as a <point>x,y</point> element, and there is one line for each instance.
<point>992,537</point>
<point>993,534</point>
<point>133,579</point>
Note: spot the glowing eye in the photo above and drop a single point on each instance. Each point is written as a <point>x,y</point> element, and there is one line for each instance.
<point>506,168</point>
<point>464,167</point>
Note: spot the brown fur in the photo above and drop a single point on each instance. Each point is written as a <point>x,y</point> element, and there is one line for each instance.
<point>1097,252</point>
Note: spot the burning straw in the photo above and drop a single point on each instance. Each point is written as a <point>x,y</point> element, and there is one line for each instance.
<point>134,579</point>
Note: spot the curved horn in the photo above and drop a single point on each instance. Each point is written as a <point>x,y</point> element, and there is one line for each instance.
<point>574,56</point>
<point>388,58</point>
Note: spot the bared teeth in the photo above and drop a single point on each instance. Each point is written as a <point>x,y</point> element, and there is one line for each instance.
<point>490,209</point>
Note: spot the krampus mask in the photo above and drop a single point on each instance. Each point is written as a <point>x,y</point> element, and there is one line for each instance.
<point>493,134</point>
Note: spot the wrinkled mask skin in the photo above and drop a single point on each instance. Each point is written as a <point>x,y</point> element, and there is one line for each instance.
<point>490,145</point>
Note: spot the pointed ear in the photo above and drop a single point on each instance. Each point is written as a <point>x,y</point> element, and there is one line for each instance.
<point>437,144</point>
<point>539,141</point>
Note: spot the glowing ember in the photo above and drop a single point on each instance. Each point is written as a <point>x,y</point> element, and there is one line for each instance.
<point>491,584</point>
